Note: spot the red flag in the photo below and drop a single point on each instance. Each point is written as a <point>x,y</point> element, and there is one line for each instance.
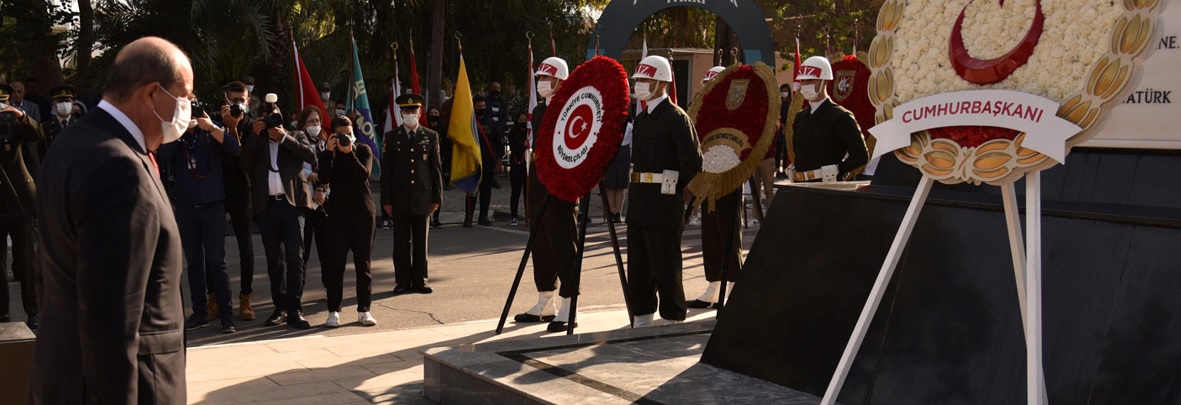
<point>672,87</point>
<point>414,84</point>
<point>795,85</point>
<point>305,89</point>
<point>393,114</point>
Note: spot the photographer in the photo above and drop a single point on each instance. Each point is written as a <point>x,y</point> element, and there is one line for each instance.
<point>236,117</point>
<point>346,165</point>
<point>273,160</point>
<point>16,202</point>
<point>196,163</point>
<point>315,218</point>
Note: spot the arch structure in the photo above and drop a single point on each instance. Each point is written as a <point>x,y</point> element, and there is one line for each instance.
<point>621,17</point>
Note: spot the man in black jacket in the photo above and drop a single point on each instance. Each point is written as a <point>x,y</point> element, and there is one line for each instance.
<point>411,189</point>
<point>236,118</point>
<point>274,158</point>
<point>827,140</point>
<point>665,157</point>
<point>17,129</point>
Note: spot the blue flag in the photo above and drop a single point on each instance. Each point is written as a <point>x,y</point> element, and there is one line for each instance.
<point>364,128</point>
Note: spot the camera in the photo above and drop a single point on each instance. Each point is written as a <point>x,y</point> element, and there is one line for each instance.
<point>7,124</point>
<point>344,139</point>
<point>236,110</point>
<point>274,119</point>
<point>197,111</point>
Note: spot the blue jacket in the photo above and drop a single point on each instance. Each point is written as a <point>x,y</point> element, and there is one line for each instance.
<point>196,162</point>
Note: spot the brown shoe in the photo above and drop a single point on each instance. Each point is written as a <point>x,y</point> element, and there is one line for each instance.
<point>212,307</point>
<point>246,313</point>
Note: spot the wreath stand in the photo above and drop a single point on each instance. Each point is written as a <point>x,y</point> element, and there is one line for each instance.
<point>583,219</point>
<point>1027,268</point>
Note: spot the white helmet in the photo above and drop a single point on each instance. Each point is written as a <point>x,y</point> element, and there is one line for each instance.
<point>816,67</point>
<point>712,73</point>
<point>553,66</point>
<point>654,67</point>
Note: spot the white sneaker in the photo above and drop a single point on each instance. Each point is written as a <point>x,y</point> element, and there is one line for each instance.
<point>640,321</point>
<point>366,319</point>
<point>333,319</point>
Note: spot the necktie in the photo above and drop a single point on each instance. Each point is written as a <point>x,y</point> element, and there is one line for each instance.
<point>156,166</point>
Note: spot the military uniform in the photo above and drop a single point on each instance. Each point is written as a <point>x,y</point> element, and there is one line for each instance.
<point>51,128</point>
<point>824,137</point>
<point>555,245</point>
<point>411,181</point>
<point>16,212</point>
<point>664,139</point>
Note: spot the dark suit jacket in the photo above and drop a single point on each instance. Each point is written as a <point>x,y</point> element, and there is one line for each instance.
<point>662,140</point>
<point>110,257</point>
<point>410,178</point>
<point>16,165</point>
<point>347,175</point>
<point>294,151</point>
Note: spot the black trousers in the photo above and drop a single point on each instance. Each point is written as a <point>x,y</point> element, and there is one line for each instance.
<point>721,237</point>
<point>203,236</point>
<point>21,232</point>
<point>350,232</point>
<point>281,226</point>
<point>484,194</point>
<point>410,264</point>
<point>654,268</point>
<point>240,216</point>
<point>315,229</point>
<point>517,177</point>
<point>556,245</point>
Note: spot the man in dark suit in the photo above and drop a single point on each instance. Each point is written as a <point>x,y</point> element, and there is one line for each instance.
<point>665,157</point>
<point>273,159</point>
<point>411,189</point>
<point>17,130</point>
<point>110,252</point>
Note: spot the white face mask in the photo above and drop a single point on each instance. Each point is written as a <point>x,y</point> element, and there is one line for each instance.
<point>250,88</point>
<point>313,130</point>
<point>181,115</point>
<point>339,113</point>
<point>784,94</point>
<point>324,96</point>
<point>245,108</point>
<point>64,109</point>
<point>809,92</point>
<point>544,88</point>
<point>643,91</point>
<point>410,120</point>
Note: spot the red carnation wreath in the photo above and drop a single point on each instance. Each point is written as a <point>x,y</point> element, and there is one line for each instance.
<point>582,128</point>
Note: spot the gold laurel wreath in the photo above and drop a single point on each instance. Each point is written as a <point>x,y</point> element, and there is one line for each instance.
<point>710,187</point>
<point>1001,161</point>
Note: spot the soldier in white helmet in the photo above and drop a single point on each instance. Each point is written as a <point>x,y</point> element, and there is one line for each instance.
<point>719,228</point>
<point>665,156</point>
<point>555,245</point>
<point>827,140</point>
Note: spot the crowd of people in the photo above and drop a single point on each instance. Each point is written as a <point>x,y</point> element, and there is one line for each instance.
<point>88,191</point>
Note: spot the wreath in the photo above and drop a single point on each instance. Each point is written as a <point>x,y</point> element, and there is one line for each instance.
<point>735,118</point>
<point>582,128</point>
<point>850,89</point>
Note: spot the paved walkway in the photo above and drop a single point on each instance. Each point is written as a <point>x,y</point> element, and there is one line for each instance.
<point>382,367</point>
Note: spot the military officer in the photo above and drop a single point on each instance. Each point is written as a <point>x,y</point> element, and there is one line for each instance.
<point>411,189</point>
<point>827,141</point>
<point>665,157</point>
<point>63,108</point>
<point>16,210</point>
<point>554,246</point>
<point>721,237</point>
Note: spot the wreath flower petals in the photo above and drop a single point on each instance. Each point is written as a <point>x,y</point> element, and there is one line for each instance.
<point>588,112</point>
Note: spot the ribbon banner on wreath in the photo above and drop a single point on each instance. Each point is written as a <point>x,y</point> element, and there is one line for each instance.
<point>582,128</point>
<point>735,117</point>
<point>1075,60</point>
